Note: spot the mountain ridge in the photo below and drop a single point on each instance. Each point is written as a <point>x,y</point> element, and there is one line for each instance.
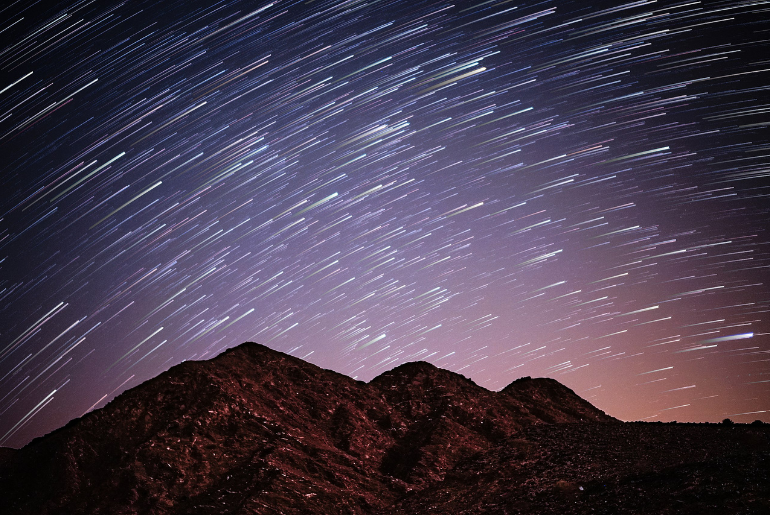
<point>254,430</point>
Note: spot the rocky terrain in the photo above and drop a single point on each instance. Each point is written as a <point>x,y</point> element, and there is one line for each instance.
<point>257,431</point>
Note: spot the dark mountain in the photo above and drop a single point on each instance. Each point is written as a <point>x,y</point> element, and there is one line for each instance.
<point>257,431</point>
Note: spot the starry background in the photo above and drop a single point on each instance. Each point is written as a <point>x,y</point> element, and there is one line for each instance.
<point>504,188</point>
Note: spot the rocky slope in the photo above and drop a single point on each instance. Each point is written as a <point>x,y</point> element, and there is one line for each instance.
<point>257,431</point>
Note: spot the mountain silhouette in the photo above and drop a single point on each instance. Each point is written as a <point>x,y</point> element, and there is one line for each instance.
<point>258,431</point>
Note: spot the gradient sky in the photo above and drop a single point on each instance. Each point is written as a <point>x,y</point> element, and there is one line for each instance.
<point>576,190</point>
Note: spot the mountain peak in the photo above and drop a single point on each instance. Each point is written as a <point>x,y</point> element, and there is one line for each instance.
<point>553,401</point>
<point>414,367</point>
<point>416,372</point>
<point>252,351</point>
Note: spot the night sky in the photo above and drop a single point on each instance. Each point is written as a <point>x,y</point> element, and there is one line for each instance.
<point>502,188</point>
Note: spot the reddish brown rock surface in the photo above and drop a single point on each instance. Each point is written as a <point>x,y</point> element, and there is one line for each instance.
<point>258,431</point>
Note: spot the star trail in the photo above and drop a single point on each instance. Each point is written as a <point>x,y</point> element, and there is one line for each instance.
<point>502,188</point>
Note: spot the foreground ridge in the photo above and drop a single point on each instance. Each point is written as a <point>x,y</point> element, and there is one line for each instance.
<point>254,430</point>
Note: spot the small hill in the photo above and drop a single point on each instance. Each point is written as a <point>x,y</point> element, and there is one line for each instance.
<point>551,401</point>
